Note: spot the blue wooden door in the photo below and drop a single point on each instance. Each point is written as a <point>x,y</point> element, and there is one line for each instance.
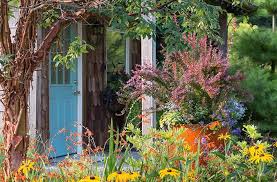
<point>63,99</point>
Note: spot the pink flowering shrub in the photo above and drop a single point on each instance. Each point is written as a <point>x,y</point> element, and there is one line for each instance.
<point>195,82</point>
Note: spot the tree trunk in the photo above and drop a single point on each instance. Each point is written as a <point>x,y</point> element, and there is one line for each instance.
<point>15,119</point>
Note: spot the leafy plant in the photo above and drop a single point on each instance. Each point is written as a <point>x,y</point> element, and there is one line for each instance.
<point>195,82</point>
<point>112,162</point>
<point>49,17</point>
<point>75,49</point>
<point>172,18</point>
<point>247,160</point>
<point>5,64</point>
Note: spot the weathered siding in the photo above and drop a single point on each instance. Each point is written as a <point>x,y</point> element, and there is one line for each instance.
<point>95,81</point>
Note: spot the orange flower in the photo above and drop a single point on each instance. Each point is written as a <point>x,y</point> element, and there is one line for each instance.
<point>88,132</point>
<point>19,176</point>
<point>215,125</point>
<point>141,116</point>
<point>211,145</point>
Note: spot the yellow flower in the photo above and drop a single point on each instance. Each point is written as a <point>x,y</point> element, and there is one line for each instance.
<point>191,176</point>
<point>187,147</point>
<point>133,176</point>
<point>245,151</point>
<point>169,171</point>
<point>263,157</point>
<point>225,136</point>
<point>91,179</point>
<point>26,167</point>
<point>119,176</point>
<point>275,144</point>
<point>257,149</point>
<point>40,179</point>
<point>226,173</point>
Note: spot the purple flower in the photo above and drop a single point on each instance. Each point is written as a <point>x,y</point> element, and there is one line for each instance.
<point>236,131</point>
<point>203,140</point>
<point>224,124</point>
<point>201,123</point>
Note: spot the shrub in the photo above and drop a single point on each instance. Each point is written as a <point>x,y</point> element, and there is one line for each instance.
<point>195,82</point>
<point>261,87</point>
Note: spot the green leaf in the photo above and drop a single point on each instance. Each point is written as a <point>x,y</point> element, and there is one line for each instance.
<point>219,154</point>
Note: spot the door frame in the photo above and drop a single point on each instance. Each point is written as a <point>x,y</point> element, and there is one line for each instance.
<point>80,96</point>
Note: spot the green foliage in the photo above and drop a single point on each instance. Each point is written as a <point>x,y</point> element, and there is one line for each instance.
<point>160,149</point>
<point>270,6</point>
<point>134,112</point>
<point>171,118</point>
<point>75,49</point>
<point>172,18</point>
<point>261,87</point>
<point>251,131</point>
<point>242,164</point>
<point>116,49</point>
<point>5,64</point>
<point>257,44</point>
<point>49,17</point>
<point>111,162</point>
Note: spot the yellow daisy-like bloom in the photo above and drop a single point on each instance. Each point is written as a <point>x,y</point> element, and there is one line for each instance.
<point>264,157</point>
<point>119,176</point>
<point>225,136</point>
<point>275,144</point>
<point>169,172</point>
<point>26,167</point>
<point>191,176</point>
<point>91,179</point>
<point>187,147</point>
<point>257,149</point>
<point>245,151</point>
<point>133,176</point>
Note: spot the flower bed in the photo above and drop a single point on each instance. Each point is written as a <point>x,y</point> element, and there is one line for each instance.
<point>251,159</point>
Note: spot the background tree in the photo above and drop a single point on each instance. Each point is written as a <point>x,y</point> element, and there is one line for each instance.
<point>20,56</point>
<point>257,44</point>
<point>271,8</point>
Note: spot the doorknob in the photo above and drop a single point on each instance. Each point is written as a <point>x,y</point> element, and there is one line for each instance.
<point>76,92</point>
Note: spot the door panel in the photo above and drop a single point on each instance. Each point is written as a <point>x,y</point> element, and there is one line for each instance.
<point>63,100</point>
